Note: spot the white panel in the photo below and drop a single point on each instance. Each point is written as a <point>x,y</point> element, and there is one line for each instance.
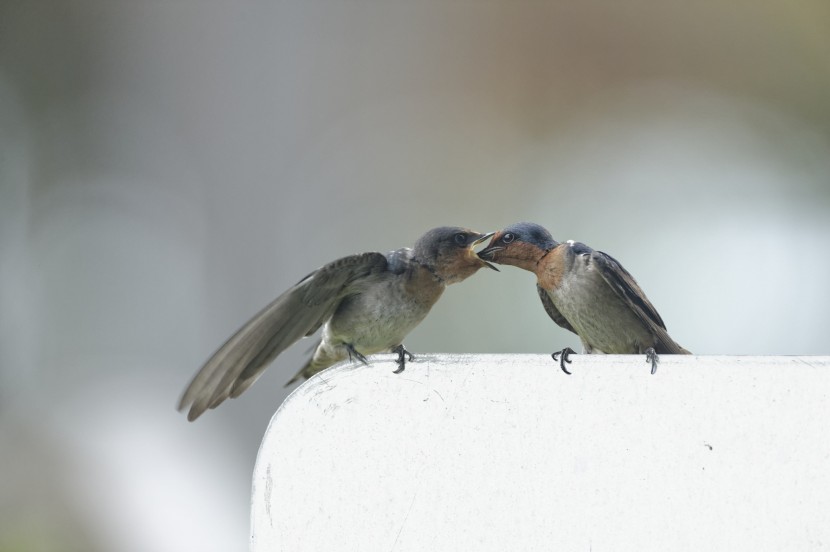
<point>506,452</point>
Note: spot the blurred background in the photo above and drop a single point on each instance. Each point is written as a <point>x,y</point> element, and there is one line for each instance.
<point>168,168</point>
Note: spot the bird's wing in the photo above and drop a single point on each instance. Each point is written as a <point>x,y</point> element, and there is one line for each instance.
<point>296,313</point>
<point>399,260</point>
<point>552,311</point>
<point>627,289</point>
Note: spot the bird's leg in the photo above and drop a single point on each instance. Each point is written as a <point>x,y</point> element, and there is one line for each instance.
<point>563,358</point>
<point>651,356</point>
<point>354,352</point>
<point>403,356</point>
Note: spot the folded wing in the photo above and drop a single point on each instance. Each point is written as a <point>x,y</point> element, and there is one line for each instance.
<point>626,288</point>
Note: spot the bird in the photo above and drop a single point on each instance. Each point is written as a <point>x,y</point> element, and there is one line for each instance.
<point>585,291</point>
<point>366,303</point>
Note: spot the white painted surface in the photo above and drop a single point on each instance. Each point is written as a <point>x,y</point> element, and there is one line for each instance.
<point>505,452</point>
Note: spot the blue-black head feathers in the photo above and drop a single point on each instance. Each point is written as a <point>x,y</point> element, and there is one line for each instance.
<point>531,233</point>
<point>444,240</point>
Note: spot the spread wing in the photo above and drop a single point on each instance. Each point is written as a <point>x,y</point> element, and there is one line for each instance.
<point>552,311</point>
<point>626,288</point>
<point>298,312</point>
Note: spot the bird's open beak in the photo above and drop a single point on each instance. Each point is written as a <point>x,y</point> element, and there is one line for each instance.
<point>483,237</point>
<point>478,240</point>
<point>489,252</point>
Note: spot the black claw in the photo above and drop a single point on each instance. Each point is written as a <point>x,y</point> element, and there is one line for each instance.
<point>566,352</point>
<point>354,353</point>
<point>651,356</point>
<point>403,356</point>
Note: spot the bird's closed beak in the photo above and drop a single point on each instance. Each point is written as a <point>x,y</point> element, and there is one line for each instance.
<point>478,240</point>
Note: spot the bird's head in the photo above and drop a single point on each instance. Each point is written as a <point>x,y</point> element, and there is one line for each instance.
<point>450,252</point>
<point>521,244</point>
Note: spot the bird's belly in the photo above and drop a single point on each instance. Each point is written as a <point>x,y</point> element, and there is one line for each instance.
<point>601,319</point>
<point>375,321</point>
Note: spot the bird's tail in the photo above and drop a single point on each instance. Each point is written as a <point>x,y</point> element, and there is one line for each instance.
<point>311,367</point>
<point>669,347</point>
<point>665,344</point>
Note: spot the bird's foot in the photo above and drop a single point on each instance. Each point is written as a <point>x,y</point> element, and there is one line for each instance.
<point>403,356</point>
<point>651,356</point>
<point>563,358</point>
<point>356,354</point>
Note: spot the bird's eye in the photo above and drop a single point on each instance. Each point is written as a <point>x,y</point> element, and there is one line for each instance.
<point>460,239</point>
<point>508,237</point>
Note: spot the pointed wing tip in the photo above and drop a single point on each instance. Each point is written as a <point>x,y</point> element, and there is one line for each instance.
<point>192,413</point>
<point>197,409</point>
<point>183,402</point>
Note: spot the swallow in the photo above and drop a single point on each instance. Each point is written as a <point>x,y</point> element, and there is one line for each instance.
<point>366,303</point>
<point>587,292</point>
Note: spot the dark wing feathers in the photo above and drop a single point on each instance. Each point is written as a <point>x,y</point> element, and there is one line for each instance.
<point>298,312</point>
<point>399,260</point>
<point>552,311</point>
<point>627,289</point>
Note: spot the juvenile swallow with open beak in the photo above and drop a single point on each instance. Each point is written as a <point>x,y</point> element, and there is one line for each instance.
<point>365,303</point>
<point>586,292</point>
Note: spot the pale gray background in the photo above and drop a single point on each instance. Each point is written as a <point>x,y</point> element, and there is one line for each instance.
<point>167,168</point>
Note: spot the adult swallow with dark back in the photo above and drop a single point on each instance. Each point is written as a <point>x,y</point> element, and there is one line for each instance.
<point>586,292</point>
<point>366,304</point>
